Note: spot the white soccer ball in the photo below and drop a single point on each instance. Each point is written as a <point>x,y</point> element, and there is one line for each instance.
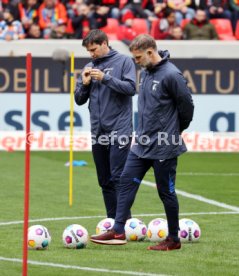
<point>38,237</point>
<point>135,230</point>
<point>157,230</point>
<point>75,236</point>
<point>104,225</point>
<point>189,230</point>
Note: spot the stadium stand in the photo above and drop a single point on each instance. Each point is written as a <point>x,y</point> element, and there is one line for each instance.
<point>139,25</point>
<point>184,22</point>
<point>223,28</point>
<point>133,17</point>
<point>111,28</point>
<point>154,26</point>
<point>237,30</point>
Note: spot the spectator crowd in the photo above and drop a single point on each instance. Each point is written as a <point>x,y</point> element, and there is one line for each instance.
<point>163,19</point>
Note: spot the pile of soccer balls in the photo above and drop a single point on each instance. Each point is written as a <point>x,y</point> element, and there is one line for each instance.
<point>157,230</point>
<point>76,236</point>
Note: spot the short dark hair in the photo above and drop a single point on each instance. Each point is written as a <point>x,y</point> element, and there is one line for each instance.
<point>95,36</point>
<point>143,42</point>
<point>167,12</point>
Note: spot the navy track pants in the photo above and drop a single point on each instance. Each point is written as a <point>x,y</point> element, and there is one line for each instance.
<point>109,161</point>
<point>133,173</point>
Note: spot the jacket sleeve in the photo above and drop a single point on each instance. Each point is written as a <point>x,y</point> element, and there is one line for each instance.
<point>82,92</point>
<point>127,84</point>
<point>177,87</point>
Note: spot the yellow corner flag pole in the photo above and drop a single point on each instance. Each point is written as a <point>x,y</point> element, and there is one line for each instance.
<point>71,129</point>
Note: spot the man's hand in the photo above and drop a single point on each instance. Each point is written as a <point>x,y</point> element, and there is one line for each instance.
<point>86,75</point>
<point>96,74</point>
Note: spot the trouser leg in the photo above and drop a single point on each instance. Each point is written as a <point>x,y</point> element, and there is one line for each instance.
<point>101,155</point>
<point>165,175</point>
<point>134,171</point>
<point>118,156</point>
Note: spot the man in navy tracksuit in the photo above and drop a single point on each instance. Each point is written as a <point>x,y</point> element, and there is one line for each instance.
<point>165,109</point>
<point>109,82</point>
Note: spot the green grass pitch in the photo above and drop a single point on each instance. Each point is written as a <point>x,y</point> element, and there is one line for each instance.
<point>214,176</point>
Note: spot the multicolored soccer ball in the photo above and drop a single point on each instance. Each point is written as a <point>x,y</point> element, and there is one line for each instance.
<point>104,225</point>
<point>157,230</point>
<point>189,230</point>
<point>38,237</point>
<point>75,236</point>
<point>135,230</point>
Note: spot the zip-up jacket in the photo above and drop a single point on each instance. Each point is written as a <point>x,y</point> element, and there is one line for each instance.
<point>165,109</point>
<point>110,100</point>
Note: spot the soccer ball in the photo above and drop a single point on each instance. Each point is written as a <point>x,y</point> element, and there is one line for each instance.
<point>189,230</point>
<point>104,225</point>
<point>75,236</point>
<point>157,230</point>
<point>135,230</point>
<point>38,237</point>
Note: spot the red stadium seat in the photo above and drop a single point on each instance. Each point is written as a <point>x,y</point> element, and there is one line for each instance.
<point>223,28</point>
<point>184,22</point>
<point>154,27</point>
<point>237,30</point>
<point>111,28</point>
<point>69,27</point>
<point>140,26</point>
<point>122,3</point>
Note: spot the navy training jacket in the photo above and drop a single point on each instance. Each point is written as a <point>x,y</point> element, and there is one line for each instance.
<point>110,101</point>
<point>165,109</point>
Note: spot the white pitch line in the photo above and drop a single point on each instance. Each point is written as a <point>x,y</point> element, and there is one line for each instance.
<point>207,174</point>
<point>49,219</point>
<point>190,214</point>
<point>136,215</point>
<point>198,197</point>
<point>202,174</point>
<point>91,269</point>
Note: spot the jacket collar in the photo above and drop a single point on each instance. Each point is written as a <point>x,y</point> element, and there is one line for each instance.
<point>101,59</point>
<point>165,55</point>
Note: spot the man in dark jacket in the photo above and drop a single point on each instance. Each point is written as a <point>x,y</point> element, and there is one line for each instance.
<point>199,28</point>
<point>219,9</point>
<point>165,109</point>
<point>85,20</point>
<point>109,82</point>
<point>198,4</point>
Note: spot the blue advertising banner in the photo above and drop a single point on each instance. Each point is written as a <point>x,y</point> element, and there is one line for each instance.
<point>50,112</point>
<point>205,76</point>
